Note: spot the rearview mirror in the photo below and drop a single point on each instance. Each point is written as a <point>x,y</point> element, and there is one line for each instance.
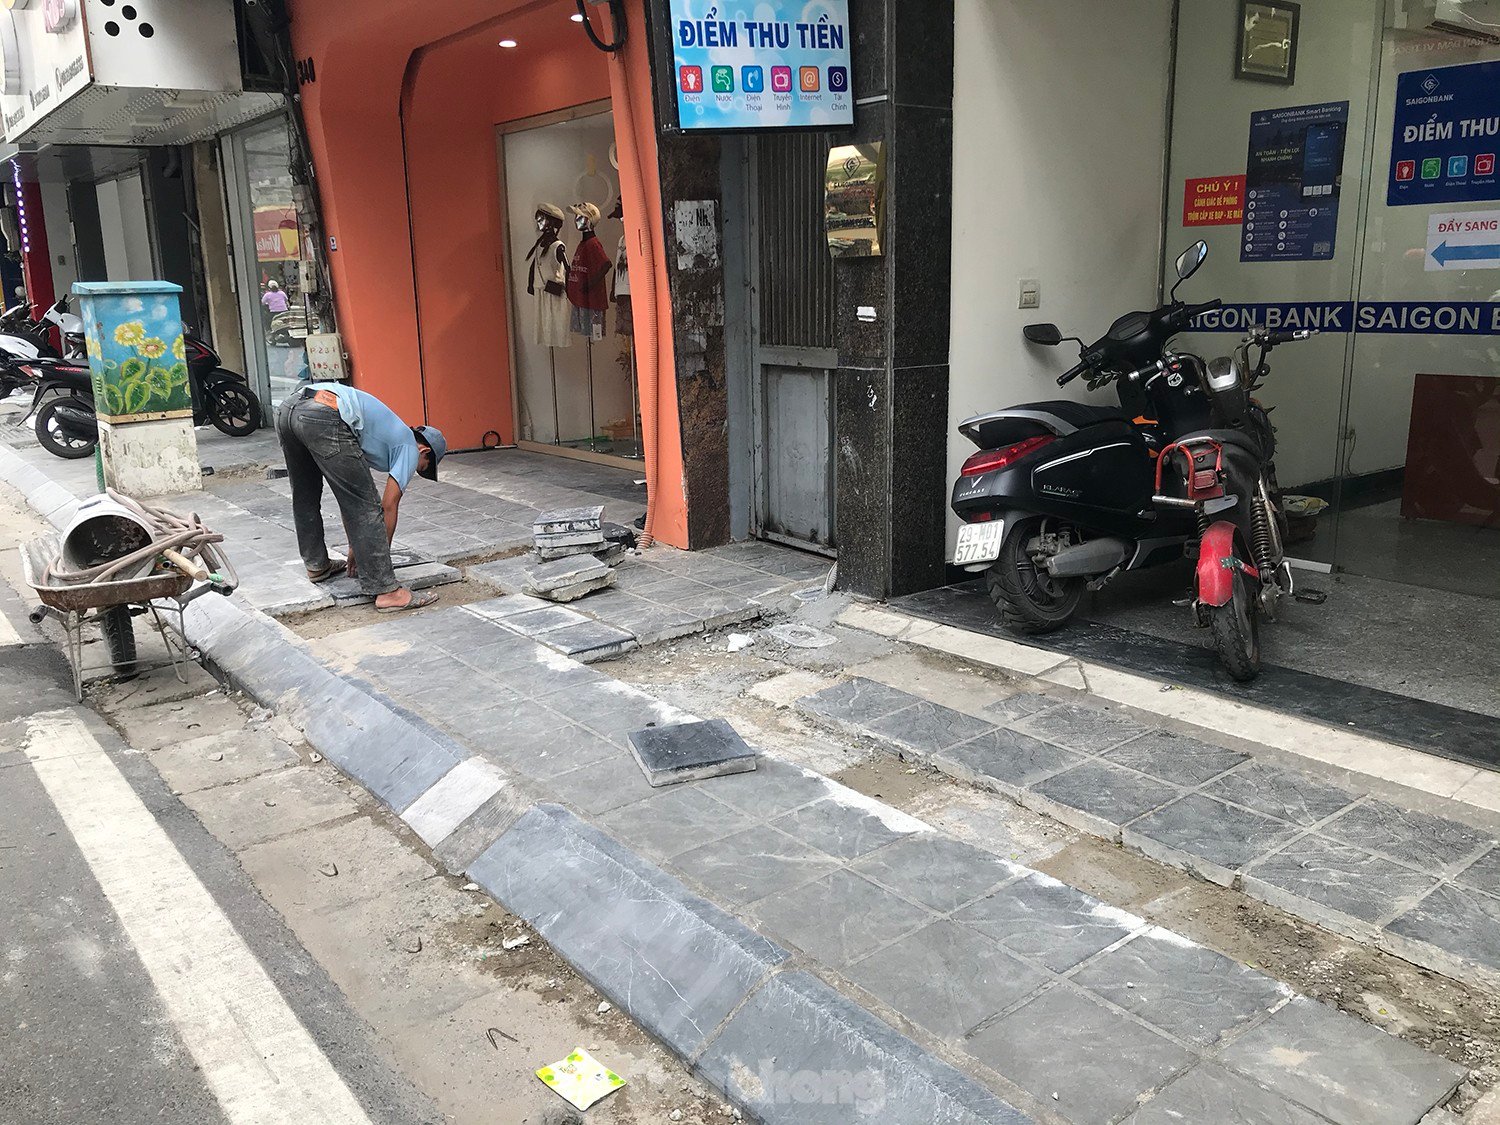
<point>1193,257</point>
<point>1046,334</point>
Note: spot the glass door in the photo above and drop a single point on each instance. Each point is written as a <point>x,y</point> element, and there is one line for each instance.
<point>1420,494</point>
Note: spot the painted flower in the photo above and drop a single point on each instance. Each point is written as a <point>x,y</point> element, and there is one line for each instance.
<point>131,333</point>
<point>179,349</point>
<point>152,348</point>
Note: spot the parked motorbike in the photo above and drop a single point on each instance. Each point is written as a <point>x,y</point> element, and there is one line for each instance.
<point>25,336</point>
<point>1063,496</point>
<point>67,423</point>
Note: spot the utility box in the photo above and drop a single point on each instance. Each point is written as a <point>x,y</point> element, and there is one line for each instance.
<point>151,72</point>
<point>138,365</point>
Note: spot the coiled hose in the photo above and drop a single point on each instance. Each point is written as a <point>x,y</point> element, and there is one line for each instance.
<point>171,532</point>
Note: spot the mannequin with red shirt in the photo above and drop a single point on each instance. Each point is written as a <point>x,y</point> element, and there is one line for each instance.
<point>587,291</point>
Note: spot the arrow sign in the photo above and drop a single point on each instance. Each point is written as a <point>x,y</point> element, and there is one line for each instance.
<point>1463,240</point>
<point>1475,253</point>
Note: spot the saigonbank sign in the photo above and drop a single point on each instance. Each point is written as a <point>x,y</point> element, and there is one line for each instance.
<point>44,53</point>
<point>1441,318</point>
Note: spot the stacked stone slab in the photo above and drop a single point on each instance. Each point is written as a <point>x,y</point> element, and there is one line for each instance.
<point>567,532</point>
<point>574,551</point>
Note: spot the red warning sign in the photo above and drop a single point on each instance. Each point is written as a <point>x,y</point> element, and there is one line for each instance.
<point>1213,201</point>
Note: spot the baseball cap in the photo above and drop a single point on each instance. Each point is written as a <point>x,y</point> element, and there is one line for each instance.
<point>433,439</point>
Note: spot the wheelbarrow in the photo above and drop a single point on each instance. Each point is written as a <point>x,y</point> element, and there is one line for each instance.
<point>158,566</point>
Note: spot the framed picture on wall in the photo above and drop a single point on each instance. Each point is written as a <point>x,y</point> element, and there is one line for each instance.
<point>1266,47</point>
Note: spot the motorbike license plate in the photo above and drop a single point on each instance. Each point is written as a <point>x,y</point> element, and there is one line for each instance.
<point>979,543</point>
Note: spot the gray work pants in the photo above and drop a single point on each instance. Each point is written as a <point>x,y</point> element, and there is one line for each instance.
<point>319,445</point>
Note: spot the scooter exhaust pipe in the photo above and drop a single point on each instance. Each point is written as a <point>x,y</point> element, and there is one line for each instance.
<point>1097,556</point>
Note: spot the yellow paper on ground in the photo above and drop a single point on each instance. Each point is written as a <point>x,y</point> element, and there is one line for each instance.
<point>581,1079</point>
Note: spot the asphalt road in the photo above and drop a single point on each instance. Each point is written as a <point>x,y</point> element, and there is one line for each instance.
<point>142,978</point>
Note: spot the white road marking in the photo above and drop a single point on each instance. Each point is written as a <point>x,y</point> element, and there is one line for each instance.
<point>8,634</point>
<point>257,1058</point>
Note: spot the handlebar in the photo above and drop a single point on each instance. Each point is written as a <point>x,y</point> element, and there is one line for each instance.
<point>1072,373</point>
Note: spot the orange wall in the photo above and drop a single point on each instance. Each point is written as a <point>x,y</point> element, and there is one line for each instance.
<point>440,66</point>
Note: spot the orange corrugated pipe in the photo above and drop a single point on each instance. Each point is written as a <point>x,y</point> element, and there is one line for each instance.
<point>647,342</point>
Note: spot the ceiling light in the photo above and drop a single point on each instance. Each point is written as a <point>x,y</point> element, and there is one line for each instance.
<point>576,17</point>
<point>509,43</point>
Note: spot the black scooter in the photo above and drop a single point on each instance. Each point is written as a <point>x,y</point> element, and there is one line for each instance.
<point>1064,496</point>
<point>67,423</point>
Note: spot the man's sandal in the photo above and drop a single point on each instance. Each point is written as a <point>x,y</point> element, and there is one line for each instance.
<point>333,570</point>
<point>418,601</point>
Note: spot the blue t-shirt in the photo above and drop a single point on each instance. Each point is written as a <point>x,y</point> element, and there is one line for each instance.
<point>385,440</point>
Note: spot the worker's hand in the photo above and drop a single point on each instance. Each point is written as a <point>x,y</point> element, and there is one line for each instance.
<point>350,568</point>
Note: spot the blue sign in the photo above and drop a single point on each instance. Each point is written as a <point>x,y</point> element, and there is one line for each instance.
<point>1447,134</point>
<point>1293,175</point>
<point>1405,318</point>
<point>740,64</point>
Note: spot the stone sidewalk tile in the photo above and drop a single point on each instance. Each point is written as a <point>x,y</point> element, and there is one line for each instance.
<point>1342,1068</point>
<point>1207,836</point>
<point>1081,728</point>
<point>1465,923</point>
<point>929,727</point>
<point>590,641</point>
<point>672,962</point>
<point>1099,797</point>
<point>801,1054</point>
<point>1172,757</point>
<point>601,786</point>
<point>1483,874</point>
<point>1049,922</point>
<point>842,831</point>
<point>840,918</point>
<point>1186,990</point>
<point>859,701</point>
<point>937,871</point>
<point>1212,1095</point>
<point>946,977</point>
<point>1430,843</point>
<point>1005,760</point>
<point>453,799</point>
<point>752,864</point>
<point>673,823</point>
<point>1297,798</point>
<point>1092,1064</point>
<point>1346,880</point>
<point>773,789</point>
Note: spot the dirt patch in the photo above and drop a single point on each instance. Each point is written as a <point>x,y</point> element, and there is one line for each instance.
<point>890,779</point>
<point>314,624</point>
<point>1434,1012</point>
<point>490,556</point>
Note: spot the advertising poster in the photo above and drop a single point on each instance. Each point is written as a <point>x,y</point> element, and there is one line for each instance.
<point>1293,174</point>
<point>1447,134</point>
<point>1466,240</point>
<point>1213,201</point>
<point>744,65</point>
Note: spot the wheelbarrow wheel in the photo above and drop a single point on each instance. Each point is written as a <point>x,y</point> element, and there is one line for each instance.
<point>119,634</point>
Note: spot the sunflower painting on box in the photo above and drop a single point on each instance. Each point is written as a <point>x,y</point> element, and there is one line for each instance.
<point>137,358</point>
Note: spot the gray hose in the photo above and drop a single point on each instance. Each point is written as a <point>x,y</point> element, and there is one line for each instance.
<point>170,532</point>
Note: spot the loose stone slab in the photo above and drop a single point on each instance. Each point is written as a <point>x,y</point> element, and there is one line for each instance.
<point>570,539</point>
<point>550,551</point>
<point>1341,1067</point>
<point>590,641</point>
<point>543,578</point>
<point>690,752</point>
<point>568,519</point>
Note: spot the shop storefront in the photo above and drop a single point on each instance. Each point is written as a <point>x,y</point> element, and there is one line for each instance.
<point>1338,159</point>
<point>439,140</point>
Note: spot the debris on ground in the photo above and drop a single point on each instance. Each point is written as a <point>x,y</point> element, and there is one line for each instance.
<point>802,636</point>
<point>328,869</point>
<point>580,1079</point>
<point>515,942</point>
<point>738,642</point>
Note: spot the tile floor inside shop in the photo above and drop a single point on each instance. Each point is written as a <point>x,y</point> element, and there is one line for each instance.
<point>1012,968</point>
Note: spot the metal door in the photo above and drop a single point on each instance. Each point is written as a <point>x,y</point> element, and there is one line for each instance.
<point>794,354</point>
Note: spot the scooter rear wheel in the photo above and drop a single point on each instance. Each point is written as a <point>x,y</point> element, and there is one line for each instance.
<point>233,409</point>
<point>1029,599</point>
<point>54,439</point>
<point>1236,629</point>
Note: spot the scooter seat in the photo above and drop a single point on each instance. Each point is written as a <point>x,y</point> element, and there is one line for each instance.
<point>1077,414</point>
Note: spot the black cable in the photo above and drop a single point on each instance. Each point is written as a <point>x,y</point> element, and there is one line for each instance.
<point>617,13</point>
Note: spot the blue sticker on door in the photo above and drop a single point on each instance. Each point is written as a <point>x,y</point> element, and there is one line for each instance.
<point>1447,133</point>
<point>1294,173</point>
